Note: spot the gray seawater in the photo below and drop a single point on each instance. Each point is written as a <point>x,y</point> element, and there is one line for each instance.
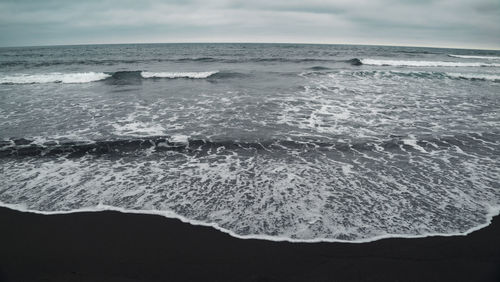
<point>274,141</point>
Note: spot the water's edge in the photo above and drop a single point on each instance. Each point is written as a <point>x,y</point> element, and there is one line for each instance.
<point>492,212</point>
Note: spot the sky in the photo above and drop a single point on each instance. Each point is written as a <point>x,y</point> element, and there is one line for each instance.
<point>434,23</point>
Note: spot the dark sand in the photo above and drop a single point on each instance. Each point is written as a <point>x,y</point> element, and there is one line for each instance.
<point>111,246</point>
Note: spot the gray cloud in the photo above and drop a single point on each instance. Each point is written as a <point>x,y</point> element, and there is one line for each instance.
<point>457,23</point>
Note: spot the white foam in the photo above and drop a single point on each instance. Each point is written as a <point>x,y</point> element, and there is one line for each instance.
<point>480,76</point>
<point>475,57</point>
<point>138,129</point>
<point>413,143</point>
<point>138,123</point>
<point>204,74</point>
<point>262,196</point>
<point>377,62</point>
<point>179,139</point>
<point>83,77</point>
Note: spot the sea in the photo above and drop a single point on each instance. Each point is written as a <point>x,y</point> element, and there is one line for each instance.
<point>283,142</point>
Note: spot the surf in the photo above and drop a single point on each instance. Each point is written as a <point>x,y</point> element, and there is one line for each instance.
<point>404,63</point>
<point>55,77</point>
<point>86,77</point>
<point>475,57</point>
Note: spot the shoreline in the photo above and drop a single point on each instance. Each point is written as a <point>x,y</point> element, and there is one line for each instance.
<point>491,214</point>
<point>116,246</point>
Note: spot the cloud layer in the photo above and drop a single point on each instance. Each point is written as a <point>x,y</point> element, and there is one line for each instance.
<point>457,23</point>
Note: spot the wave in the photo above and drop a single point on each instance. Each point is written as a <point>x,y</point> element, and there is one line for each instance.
<point>318,68</point>
<point>355,62</point>
<point>201,59</point>
<point>318,72</point>
<point>76,148</point>
<point>107,62</point>
<point>54,78</point>
<point>475,57</point>
<point>204,74</point>
<point>417,52</point>
<point>398,63</point>
<point>31,64</point>
<point>119,77</point>
<point>475,76</point>
<point>228,74</point>
<point>111,62</point>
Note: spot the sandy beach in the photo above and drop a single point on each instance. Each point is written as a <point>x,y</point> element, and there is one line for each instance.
<point>112,246</point>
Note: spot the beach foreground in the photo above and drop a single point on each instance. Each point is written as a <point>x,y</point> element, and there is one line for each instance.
<point>113,246</point>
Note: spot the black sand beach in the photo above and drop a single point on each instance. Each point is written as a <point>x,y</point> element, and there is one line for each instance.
<point>111,246</point>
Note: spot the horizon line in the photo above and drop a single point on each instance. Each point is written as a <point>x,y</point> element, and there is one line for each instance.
<point>249,42</point>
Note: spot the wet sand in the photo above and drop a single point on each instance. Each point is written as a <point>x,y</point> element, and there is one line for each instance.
<point>112,246</point>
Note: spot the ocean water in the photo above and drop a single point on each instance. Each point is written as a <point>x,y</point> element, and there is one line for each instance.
<point>273,141</point>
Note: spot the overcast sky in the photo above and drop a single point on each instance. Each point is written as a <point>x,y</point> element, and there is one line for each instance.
<point>447,23</point>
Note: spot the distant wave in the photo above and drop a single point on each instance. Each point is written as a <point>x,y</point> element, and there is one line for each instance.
<point>120,77</point>
<point>54,78</point>
<point>200,59</point>
<point>377,62</point>
<point>475,57</point>
<point>110,62</point>
<point>318,68</point>
<point>204,74</point>
<point>415,52</point>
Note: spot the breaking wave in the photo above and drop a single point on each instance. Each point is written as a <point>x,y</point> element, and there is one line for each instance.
<point>397,63</point>
<point>475,76</point>
<point>122,76</point>
<point>203,74</point>
<point>475,57</point>
<point>54,78</point>
<point>319,71</point>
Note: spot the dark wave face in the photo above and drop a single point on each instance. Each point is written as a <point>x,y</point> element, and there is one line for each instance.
<point>401,144</point>
<point>271,141</point>
<point>125,78</point>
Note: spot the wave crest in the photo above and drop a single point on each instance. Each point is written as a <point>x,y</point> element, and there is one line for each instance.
<point>203,74</point>
<point>54,78</point>
<point>474,76</point>
<point>475,57</point>
<point>85,77</point>
<point>402,63</point>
